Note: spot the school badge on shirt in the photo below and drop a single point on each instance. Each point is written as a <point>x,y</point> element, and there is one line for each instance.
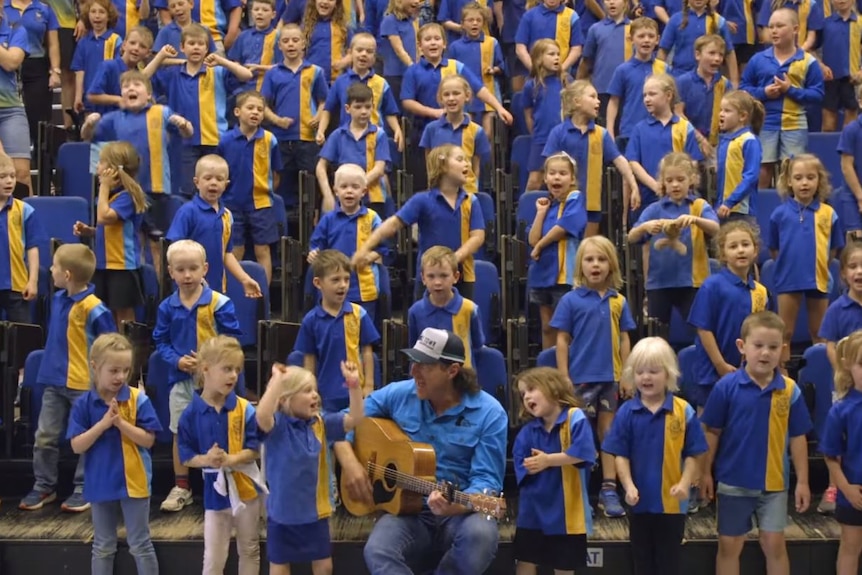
<point>674,426</point>
<point>782,402</point>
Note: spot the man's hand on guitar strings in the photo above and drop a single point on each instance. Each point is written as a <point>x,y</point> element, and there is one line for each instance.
<point>440,506</point>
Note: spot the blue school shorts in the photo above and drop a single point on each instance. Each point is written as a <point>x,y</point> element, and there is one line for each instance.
<point>298,543</point>
<point>549,296</point>
<point>737,506</point>
<point>781,145</point>
<point>259,225</point>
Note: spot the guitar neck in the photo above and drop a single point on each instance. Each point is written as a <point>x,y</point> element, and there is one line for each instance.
<point>425,487</point>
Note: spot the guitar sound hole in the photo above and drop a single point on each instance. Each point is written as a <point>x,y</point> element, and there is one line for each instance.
<point>390,477</point>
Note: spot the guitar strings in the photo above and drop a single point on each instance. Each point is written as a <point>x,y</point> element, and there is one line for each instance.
<point>417,483</point>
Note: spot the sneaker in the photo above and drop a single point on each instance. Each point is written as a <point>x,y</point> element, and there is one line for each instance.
<point>693,501</point>
<point>36,500</point>
<point>827,502</point>
<point>75,503</point>
<point>177,499</point>
<point>609,502</point>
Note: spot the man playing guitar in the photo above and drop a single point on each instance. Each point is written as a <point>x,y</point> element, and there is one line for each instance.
<point>442,406</point>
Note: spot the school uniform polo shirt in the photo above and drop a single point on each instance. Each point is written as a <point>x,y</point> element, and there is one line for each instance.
<point>559,24</point>
<point>115,466</point>
<point>210,227</point>
<point>592,150</point>
<point>595,323</point>
<point>147,130</point>
<point>850,144</point>
<point>74,324</point>
<point>756,428</point>
<point>546,103</point>
<point>556,263</point>
<point>333,339</point>
<point>180,330</point>
<point>407,30</point>
<point>806,87</point>
<point>440,224</point>
<point>93,50</point>
<point>255,46</point>
<point>721,305</point>
<point>478,55</point>
<point>171,35</point>
<point>627,84</point>
<point>842,45</point>
<point>214,15</point>
<point>668,269</point>
<point>346,233</point>
<point>298,467</point>
<point>200,98</point>
<point>804,237</point>
<point>681,40</point>
<point>743,14</point>
<point>118,245</point>
<point>295,95</point>
<point>738,170</point>
<point>383,102</point>
<point>342,147</point>
<point>555,501</point>
<point>842,437</point>
<point>703,100</point>
<point>670,436</point>
<point>19,231</point>
<point>460,316</point>
<point>233,428</point>
<point>252,163</point>
<point>467,135</point>
<point>10,96</point>
<point>469,439</point>
<point>328,44</point>
<point>607,46</point>
<point>651,141</point>
<point>422,80</point>
<point>843,317</point>
<point>37,19</point>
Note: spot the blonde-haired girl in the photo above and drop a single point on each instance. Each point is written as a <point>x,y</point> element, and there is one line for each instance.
<point>119,214</point>
<point>804,235</point>
<point>325,27</point>
<point>593,322</point>
<point>552,455</point>
<point>115,425</point>
<point>738,155</point>
<point>298,467</point>
<point>400,28</point>
<point>542,104</point>
<point>655,427</point>
<point>841,443</point>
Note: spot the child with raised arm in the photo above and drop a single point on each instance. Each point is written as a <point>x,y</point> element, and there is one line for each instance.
<point>655,426</point>
<point>297,432</point>
<point>840,444</point>
<point>554,235</point>
<point>218,433</point>
<point>552,455</point>
<point>753,418</point>
<point>593,321</point>
<point>114,424</point>
<point>185,320</point>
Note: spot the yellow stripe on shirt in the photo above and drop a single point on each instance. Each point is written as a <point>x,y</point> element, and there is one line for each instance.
<point>671,465</point>
<point>236,443</point>
<point>699,255</point>
<point>573,501</point>
<point>468,267</point>
<point>461,328</point>
<point>15,234</point>
<point>137,482</point>
<point>156,143</point>
<point>776,446</point>
<point>823,218</point>
<point>595,164</point>
<point>365,275</point>
<point>262,172</point>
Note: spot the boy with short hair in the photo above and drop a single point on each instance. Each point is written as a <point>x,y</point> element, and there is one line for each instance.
<point>77,318</point>
<point>186,319</point>
<point>749,436</point>
<point>255,162</point>
<point>20,234</point>
<point>345,229</point>
<point>363,51</point>
<point>147,127</point>
<point>205,220</point>
<point>221,19</point>
<point>336,331</point>
<point>361,143</point>
<point>295,92</point>
<point>104,93</point>
<point>442,307</point>
<point>256,48</point>
<point>198,90</point>
<point>171,33</point>
<point>627,83</point>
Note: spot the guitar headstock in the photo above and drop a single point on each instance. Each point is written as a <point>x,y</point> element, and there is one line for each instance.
<point>489,503</point>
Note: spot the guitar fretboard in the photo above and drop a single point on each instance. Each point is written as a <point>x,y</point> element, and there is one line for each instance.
<point>417,484</point>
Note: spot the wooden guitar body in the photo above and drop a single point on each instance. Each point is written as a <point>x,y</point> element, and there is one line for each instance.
<point>389,455</point>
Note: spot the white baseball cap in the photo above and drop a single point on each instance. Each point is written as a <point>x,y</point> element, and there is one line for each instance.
<point>436,345</point>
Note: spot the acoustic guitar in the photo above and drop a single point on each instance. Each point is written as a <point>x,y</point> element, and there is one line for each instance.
<point>402,474</point>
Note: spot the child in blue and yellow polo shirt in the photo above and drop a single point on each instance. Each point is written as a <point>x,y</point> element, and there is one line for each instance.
<point>115,425</point>
<point>754,417</point>
<point>218,433</point>
<point>77,318</point>
<point>335,331</point>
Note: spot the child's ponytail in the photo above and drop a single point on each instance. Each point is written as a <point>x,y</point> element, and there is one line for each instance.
<point>846,354</point>
<point>758,114</point>
<point>123,157</point>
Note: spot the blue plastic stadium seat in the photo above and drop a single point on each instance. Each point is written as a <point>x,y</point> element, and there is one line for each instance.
<point>686,368</point>
<point>489,213</point>
<point>767,201</point>
<point>491,369</point>
<point>818,372</point>
<point>73,165</point>
<point>681,332</point>
<point>519,124</point>
<point>525,213</point>
<point>547,358</point>
<point>824,145</point>
<point>520,153</point>
<point>486,295</point>
<point>57,216</point>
